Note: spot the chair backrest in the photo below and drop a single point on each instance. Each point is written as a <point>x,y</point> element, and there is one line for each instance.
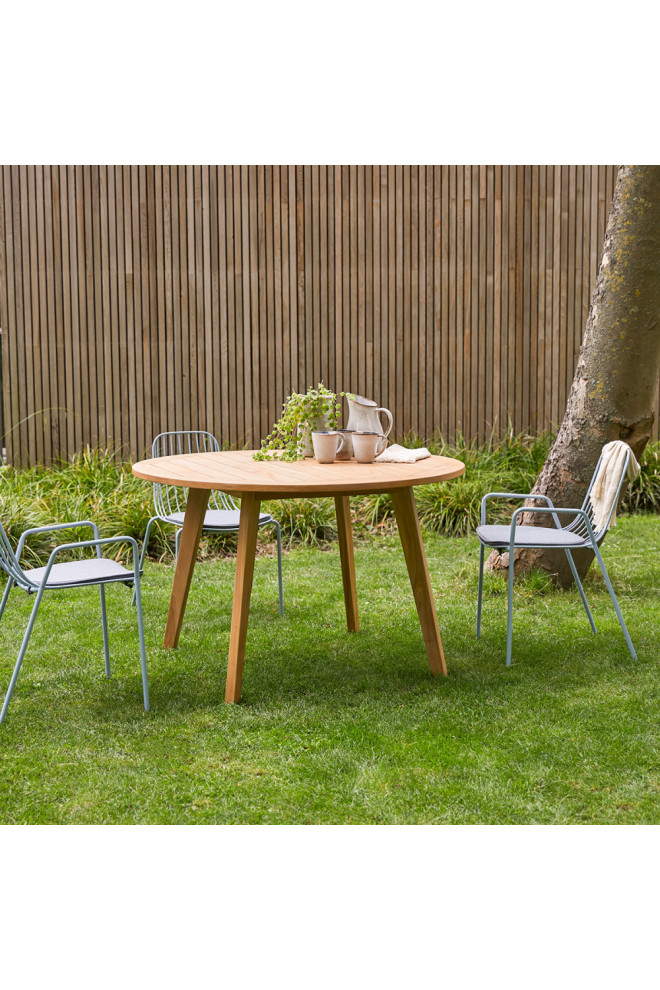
<point>9,562</point>
<point>170,499</point>
<point>579,526</point>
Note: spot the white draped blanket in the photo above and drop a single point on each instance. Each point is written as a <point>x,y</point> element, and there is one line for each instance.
<point>607,481</point>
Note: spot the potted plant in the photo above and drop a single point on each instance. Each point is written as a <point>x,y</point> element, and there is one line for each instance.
<point>290,438</point>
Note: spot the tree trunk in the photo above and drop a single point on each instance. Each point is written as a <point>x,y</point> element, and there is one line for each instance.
<point>617,374</point>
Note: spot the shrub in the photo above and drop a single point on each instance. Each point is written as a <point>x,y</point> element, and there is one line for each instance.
<point>95,485</point>
<point>306,521</point>
<point>643,495</point>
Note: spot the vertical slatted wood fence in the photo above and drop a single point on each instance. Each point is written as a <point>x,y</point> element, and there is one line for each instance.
<point>135,299</point>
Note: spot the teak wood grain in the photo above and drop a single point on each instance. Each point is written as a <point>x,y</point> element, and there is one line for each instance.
<point>247,545</point>
<point>345,540</point>
<point>407,520</point>
<point>238,472</point>
<point>190,536</point>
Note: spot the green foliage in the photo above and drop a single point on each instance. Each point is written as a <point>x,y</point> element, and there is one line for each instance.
<point>304,521</point>
<point>372,511</point>
<point>300,414</point>
<point>644,493</point>
<point>451,508</point>
<point>94,485</point>
<point>510,463</point>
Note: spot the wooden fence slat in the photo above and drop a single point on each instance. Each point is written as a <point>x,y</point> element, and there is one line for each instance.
<point>33,398</point>
<point>282,238</point>
<point>117,387</point>
<point>132,440</point>
<point>267,285</point>
<point>222,370</point>
<point>332,334</point>
<point>135,299</point>
<point>105,369</point>
<point>210,328</point>
<point>31,281</point>
<point>252,324</point>
<point>312,254</point>
<point>449,352</point>
<point>11,354</point>
<point>145,300</point>
<point>230,381</point>
<point>5,395</point>
<point>168,373</point>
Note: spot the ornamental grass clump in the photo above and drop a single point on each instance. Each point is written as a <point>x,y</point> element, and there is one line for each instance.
<point>95,484</point>
<point>316,408</point>
<point>643,495</point>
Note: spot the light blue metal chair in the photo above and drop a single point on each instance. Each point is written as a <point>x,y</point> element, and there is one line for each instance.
<point>578,533</point>
<point>222,515</point>
<point>96,570</point>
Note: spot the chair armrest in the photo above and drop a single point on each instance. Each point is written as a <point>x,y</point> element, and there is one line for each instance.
<point>508,495</point>
<point>93,543</point>
<point>554,512</point>
<point>54,527</point>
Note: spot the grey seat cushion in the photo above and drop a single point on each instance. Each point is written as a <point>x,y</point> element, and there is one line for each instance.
<point>80,572</point>
<point>218,518</point>
<point>529,536</point>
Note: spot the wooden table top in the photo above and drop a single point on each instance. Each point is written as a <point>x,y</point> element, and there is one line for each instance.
<point>236,471</point>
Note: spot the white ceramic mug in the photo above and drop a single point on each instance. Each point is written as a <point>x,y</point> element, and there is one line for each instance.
<point>367,445</point>
<point>346,452</point>
<point>327,444</point>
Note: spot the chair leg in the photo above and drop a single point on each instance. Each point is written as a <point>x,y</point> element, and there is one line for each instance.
<point>509,620</point>
<point>177,541</point>
<point>278,532</point>
<point>481,588</point>
<point>24,645</point>
<point>601,563</point>
<point>143,656</point>
<point>104,622</point>
<point>143,552</point>
<point>8,587</point>
<point>580,589</point>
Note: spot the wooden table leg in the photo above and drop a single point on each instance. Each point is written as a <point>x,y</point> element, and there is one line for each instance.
<point>193,522</point>
<point>247,546</point>
<point>345,535</point>
<point>411,540</point>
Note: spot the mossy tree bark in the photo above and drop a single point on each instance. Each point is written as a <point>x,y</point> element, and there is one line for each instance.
<point>615,382</point>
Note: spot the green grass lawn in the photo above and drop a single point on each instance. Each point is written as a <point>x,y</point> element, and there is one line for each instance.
<point>337,727</point>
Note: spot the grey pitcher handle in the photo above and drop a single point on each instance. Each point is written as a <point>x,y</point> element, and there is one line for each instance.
<point>380,409</point>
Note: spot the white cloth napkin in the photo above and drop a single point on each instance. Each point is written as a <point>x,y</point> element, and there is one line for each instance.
<point>607,481</point>
<point>403,455</point>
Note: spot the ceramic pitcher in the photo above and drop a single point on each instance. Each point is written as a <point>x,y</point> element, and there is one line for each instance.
<point>364,417</point>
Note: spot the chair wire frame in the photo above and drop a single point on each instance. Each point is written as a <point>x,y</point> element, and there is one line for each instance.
<point>581,526</point>
<point>17,577</point>
<point>171,500</point>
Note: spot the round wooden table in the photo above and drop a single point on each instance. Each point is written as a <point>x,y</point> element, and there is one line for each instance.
<point>237,472</point>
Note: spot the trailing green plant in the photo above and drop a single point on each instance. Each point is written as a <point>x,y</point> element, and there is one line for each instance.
<point>300,414</point>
